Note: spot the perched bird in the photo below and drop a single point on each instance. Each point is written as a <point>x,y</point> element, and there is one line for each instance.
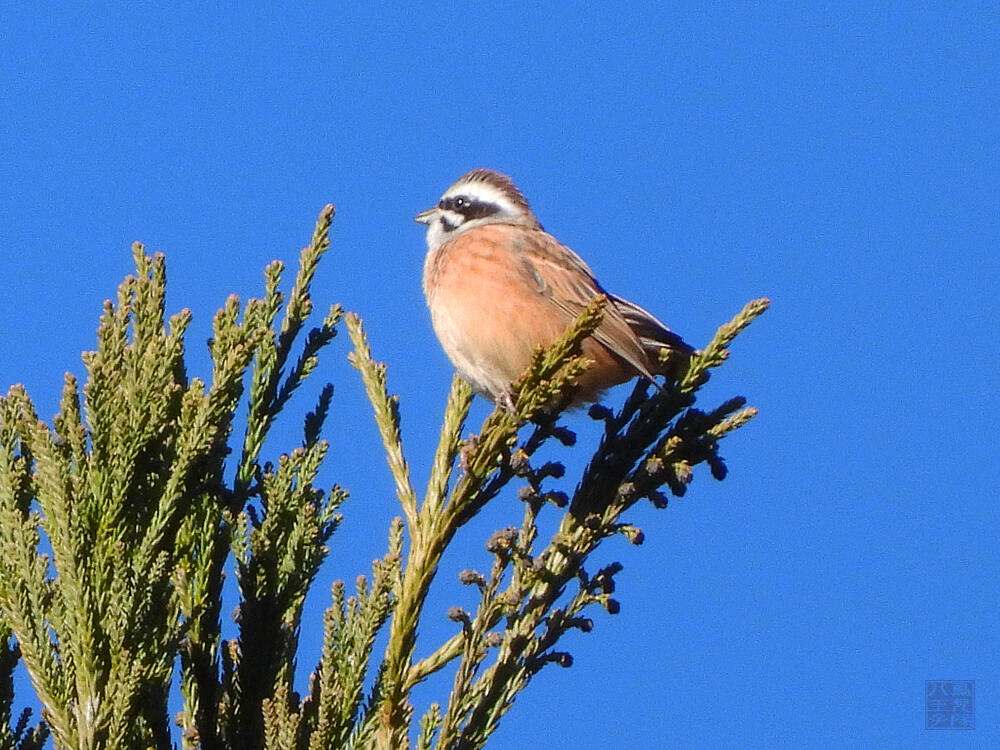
<point>499,286</point>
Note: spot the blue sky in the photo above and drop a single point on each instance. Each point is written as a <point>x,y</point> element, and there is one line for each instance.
<point>840,158</point>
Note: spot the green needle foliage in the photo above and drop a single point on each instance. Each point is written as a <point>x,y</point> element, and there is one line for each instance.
<point>118,520</point>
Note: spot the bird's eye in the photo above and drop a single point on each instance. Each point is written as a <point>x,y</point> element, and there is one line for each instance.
<point>461,202</point>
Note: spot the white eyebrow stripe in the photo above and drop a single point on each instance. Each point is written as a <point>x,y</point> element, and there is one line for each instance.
<point>481,192</point>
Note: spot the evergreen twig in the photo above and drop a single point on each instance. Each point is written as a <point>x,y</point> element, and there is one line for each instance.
<point>116,524</point>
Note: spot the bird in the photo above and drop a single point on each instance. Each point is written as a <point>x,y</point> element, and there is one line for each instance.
<point>499,286</point>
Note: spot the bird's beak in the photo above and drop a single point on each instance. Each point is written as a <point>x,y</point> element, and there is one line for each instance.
<point>426,217</point>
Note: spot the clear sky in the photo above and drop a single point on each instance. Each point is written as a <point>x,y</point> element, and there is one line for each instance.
<point>840,158</point>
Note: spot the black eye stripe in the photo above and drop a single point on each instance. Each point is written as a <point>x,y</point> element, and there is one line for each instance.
<point>469,207</point>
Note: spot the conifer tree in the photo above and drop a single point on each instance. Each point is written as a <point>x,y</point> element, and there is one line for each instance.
<point>118,519</point>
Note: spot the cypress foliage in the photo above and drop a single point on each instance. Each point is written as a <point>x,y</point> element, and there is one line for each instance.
<point>117,520</point>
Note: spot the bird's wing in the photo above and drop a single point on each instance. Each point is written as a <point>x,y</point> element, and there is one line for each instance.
<point>653,334</point>
<point>567,282</point>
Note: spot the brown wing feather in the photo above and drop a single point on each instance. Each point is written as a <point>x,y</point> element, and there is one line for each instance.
<point>653,334</point>
<point>566,280</point>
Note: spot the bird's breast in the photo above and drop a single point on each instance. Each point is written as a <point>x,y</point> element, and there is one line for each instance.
<point>491,310</point>
<point>476,264</point>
